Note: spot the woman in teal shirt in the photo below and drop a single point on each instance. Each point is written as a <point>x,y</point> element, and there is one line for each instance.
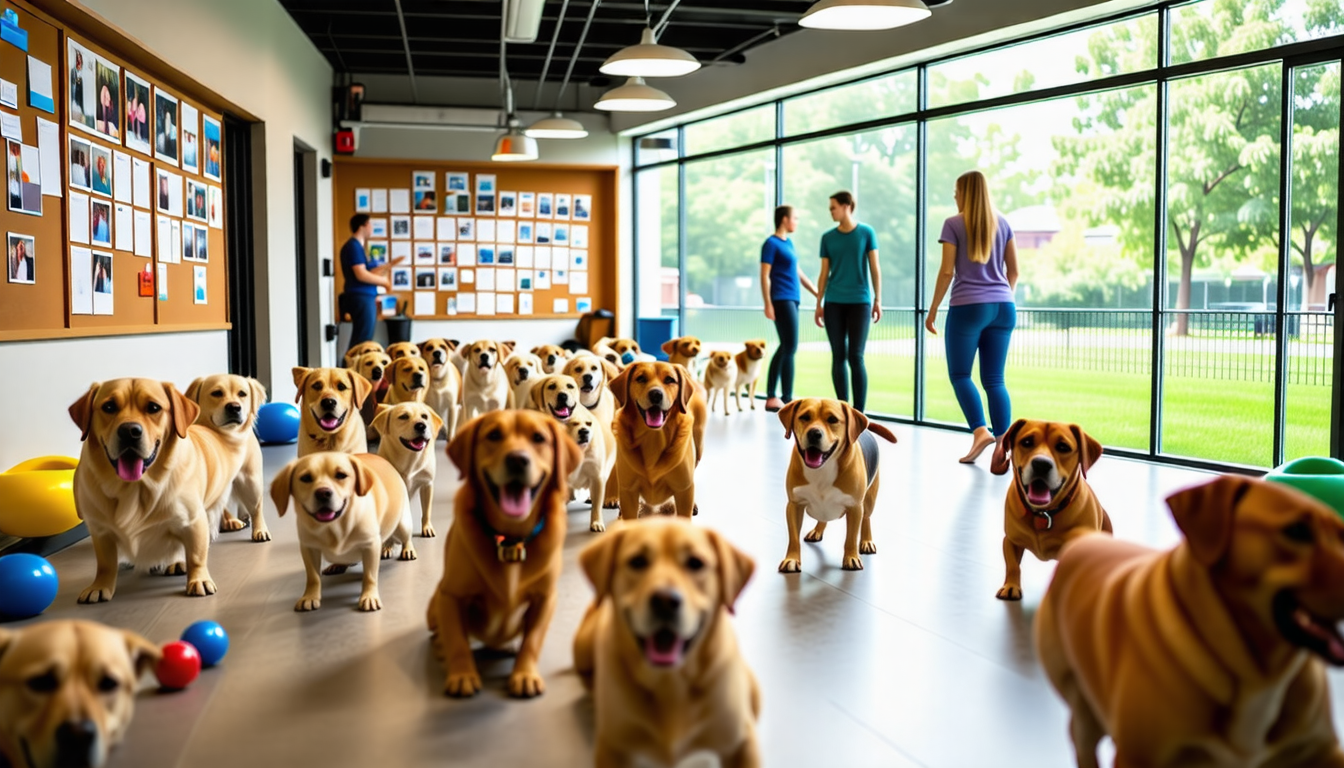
<point>851,288</point>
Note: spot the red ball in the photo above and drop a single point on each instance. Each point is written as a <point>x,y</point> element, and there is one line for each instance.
<point>180,665</point>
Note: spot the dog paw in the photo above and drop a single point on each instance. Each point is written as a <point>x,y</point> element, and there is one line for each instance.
<point>407,553</point>
<point>201,588</point>
<point>597,526</point>
<point>229,525</point>
<point>526,685</point>
<point>461,686</point>
<point>813,535</point>
<point>306,604</point>
<point>370,602</point>
<point>791,565</point>
<point>387,553</point>
<point>261,536</point>
<point>335,569</point>
<point>1009,592</point>
<point>172,569</point>
<point>611,505</point>
<point>867,548</point>
<point>427,531</point>
<point>97,594</point>
<point>852,563</point>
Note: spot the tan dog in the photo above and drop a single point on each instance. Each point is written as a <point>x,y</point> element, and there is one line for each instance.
<point>456,358</point>
<point>409,380</point>
<point>67,691</point>
<point>592,473</point>
<point>660,431</point>
<point>1208,654</point>
<point>622,347</point>
<point>552,358</point>
<point>557,396</point>
<point>748,372</point>
<point>354,353</point>
<point>329,402</point>
<point>522,369</point>
<point>485,387</point>
<point>604,350</point>
<point>408,431</point>
<point>150,485</point>
<point>445,382</point>
<point>1050,501</point>
<point>350,508</point>
<point>833,474</point>
<point>402,349</point>
<point>683,351</point>
<point>594,376</point>
<point>504,551</point>
<point>719,375</point>
<point>658,651</point>
<point>229,405</point>
<point>373,366</point>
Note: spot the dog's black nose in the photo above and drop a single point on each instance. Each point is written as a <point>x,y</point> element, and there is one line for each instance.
<point>323,494</point>
<point>376,374</point>
<point>485,359</point>
<point>517,462</point>
<point>130,432</point>
<point>656,396</point>
<point>421,428</point>
<point>665,604</point>
<point>1042,466</point>
<point>438,357</point>
<point>418,379</point>
<point>583,435</point>
<point>233,409</point>
<point>75,742</point>
<point>329,403</point>
<point>815,434</point>
<point>587,379</point>
<point>562,399</point>
<point>550,360</point>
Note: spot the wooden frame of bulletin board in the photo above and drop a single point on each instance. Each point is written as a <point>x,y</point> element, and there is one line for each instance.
<point>116,197</point>
<point>446,235</point>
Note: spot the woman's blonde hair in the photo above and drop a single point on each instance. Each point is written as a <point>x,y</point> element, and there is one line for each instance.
<point>982,225</point>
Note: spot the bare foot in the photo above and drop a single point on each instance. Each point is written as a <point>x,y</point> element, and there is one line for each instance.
<point>983,439</point>
<point>999,463</point>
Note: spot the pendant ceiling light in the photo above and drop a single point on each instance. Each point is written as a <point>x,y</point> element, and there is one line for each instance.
<point>649,59</point>
<point>557,126</point>
<point>863,14</point>
<point>514,146</point>
<point>635,96</point>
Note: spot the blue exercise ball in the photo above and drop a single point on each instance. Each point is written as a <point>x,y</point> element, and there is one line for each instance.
<point>278,423</point>
<point>209,639</point>
<point>28,585</point>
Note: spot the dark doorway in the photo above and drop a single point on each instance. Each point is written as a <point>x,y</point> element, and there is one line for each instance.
<point>239,223</point>
<point>301,254</point>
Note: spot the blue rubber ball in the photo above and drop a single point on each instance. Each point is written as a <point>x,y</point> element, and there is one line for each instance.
<point>628,358</point>
<point>209,639</point>
<point>278,423</point>
<point>28,585</point>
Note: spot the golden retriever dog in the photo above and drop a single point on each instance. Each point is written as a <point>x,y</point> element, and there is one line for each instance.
<point>373,366</point>
<point>594,376</point>
<point>657,649</point>
<point>660,430</point>
<point>603,349</point>
<point>409,380</point>
<point>627,351</point>
<point>409,431</point>
<point>833,474</point>
<point>445,382</point>
<point>1209,654</point>
<point>522,369</point>
<point>328,398</point>
<point>1050,501</point>
<point>748,372</point>
<point>150,484</point>
<point>485,387</point>
<point>719,375</point>
<point>552,358</point>
<point>402,349</point>
<point>503,552</point>
<point>683,351</point>
<point>556,395</point>
<point>599,458</point>
<point>350,509</point>
<point>67,692</point>
<point>354,353</point>
<point>229,405</point>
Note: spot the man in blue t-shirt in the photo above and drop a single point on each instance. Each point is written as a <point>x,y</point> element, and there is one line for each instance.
<point>359,299</point>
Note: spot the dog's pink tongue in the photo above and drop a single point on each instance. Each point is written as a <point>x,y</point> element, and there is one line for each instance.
<point>515,501</point>
<point>329,422</point>
<point>654,418</point>
<point>662,649</point>
<point>813,458</point>
<point>563,412</point>
<point>1038,494</point>
<point>130,469</point>
<point>326,515</point>
<point>419,443</point>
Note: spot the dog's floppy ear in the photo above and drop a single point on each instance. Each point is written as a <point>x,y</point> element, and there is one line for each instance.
<point>1088,446</point>
<point>620,386</point>
<point>568,454</point>
<point>435,423</point>
<point>881,431</point>
<point>855,423</point>
<point>258,394</point>
<point>453,344</point>
<point>362,386</point>
<point>670,346</point>
<point>193,392</point>
<point>144,655</point>
<point>461,446</point>
<point>735,568</point>
<point>1007,441</point>
<point>300,381</point>
<point>81,411</point>
<point>536,350</point>
<point>609,369</point>
<point>505,350</point>
<point>423,347</point>
<point>1204,514</point>
<point>379,423</point>
<point>685,387</point>
<point>786,415</point>
<point>280,488</point>
<point>536,396</point>
<point>598,560</point>
<point>364,477</point>
<point>184,411</point>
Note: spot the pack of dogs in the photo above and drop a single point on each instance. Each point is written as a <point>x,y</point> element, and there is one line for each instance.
<point>1212,653</point>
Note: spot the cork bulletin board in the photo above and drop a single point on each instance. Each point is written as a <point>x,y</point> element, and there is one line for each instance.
<point>486,240</point>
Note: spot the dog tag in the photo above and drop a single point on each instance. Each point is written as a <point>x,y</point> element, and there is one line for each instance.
<point>511,553</point>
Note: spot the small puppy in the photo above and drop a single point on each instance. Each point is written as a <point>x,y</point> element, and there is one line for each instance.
<point>402,349</point>
<point>833,474</point>
<point>719,375</point>
<point>748,372</point>
<point>373,366</point>
<point>352,354</point>
<point>229,405</point>
<point>407,430</point>
<point>660,430</point>
<point>1209,654</point>
<point>410,380</point>
<point>350,509</point>
<point>683,351</point>
<point>594,375</point>
<point>504,550</point>
<point>328,397</point>
<point>552,358</point>
<point>485,387</point>
<point>1050,501</point>
<point>67,691</point>
<point>599,457</point>
<point>522,369</point>
<point>556,395</point>
<point>445,382</point>
<point>657,649</point>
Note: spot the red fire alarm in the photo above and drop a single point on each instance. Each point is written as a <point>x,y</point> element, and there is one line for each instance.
<point>345,142</point>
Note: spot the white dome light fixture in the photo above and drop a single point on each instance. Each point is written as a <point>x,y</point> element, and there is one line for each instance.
<point>515,146</point>
<point>649,59</point>
<point>863,14</point>
<point>556,127</point>
<point>635,96</point>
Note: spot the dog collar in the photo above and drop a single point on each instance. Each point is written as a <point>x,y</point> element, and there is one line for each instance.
<point>507,548</point>
<point>1044,519</point>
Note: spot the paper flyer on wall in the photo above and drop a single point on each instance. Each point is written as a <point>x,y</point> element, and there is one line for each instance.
<point>175,240</point>
<point>79,218</point>
<point>363,201</point>
<point>560,306</point>
<point>122,182</point>
<point>466,302</point>
<point>543,257</point>
<point>424,303</point>
<point>485,278</point>
<point>9,94</point>
<point>81,281</point>
<point>466,254</point>
<point>423,228</point>
<point>504,280</point>
<point>583,304</point>
<point>164,241</point>
<point>102,283</point>
<point>123,227</point>
<point>140,184</point>
<point>504,303</point>
<point>525,280</point>
<point>525,254</point>
<point>399,200</point>
<point>578,283</point>
<point>467,276</point>
<point>446,228</point>
<point>485,303</point>
<point>543,280</point>
<point>379,201</point>
<point>199,289</point>
<point>524,303</point>
<point>11,127</point>
<point>163,282</point>
<point>144,237</point>
<point>40,92</point>
<point>560,276</point>
<point>49,152</point>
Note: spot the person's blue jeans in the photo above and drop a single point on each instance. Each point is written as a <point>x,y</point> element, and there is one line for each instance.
<point>781,365</point>
<point>363,311</point>
<point>986,328</point>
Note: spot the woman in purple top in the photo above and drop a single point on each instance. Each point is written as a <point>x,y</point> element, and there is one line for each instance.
<point>980,265</point>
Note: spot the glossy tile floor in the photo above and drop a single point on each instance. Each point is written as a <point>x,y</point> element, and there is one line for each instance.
<point>910,662</point>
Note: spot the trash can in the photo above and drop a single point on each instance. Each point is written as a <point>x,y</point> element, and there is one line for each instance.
<point>652,332</point>
<point>398,329</point>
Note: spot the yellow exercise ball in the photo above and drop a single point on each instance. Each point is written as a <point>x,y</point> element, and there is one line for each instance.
<point>37,497</point>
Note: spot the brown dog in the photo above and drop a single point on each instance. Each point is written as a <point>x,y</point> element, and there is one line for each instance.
<point>409,377</point>
<point>660,431</point>
<point>150,484</point>
<point>552,358</point>
<point>719,375</point>
<point>748,372</point>
<point>229,405</point>
<point>402,349</point>
<point>657,648</point>
<point>683,351</point>
<point>1050,501</point>
<point>329,418</point>
<point>833,474</point>
<point>445,382</point>
<point>1208,654</point>
<point>67,691</point>
<point>504,550</point>
<point>352,354</point>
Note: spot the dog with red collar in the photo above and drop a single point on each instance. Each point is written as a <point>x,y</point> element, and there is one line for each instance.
<point>1049,502</point>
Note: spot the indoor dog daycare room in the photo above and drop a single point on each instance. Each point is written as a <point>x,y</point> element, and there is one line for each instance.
<point>671,384</point>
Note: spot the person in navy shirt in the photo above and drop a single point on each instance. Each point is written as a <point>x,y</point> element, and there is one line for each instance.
<point>359,299</point>
<point>779,286</point>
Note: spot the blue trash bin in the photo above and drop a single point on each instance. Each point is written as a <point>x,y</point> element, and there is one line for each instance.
<point>652,332</point>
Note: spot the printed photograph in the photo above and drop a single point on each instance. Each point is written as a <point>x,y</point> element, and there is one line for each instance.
<point>425,278</point>
<point>202,244</point>
<point>448,279</point>
<point>211,148</point>
<point>102,273</point>
<point>165,127</point>
<point>190,143</point>
<point>22,251</point>
<point>401,278</point>
<point>25,179</point>
<point>139,110</point>
<point>583,207</point>
<point>102,170</point>
<point>82,86</point>
<point>425,202</point>
<point>508,203</point>
<point>81,165</point>
<point>447,254</point>
<point>107,118</point>
<point>188,243</point>
<point>456,182</point>
<point>100,222</point>
<point>422,180</point>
